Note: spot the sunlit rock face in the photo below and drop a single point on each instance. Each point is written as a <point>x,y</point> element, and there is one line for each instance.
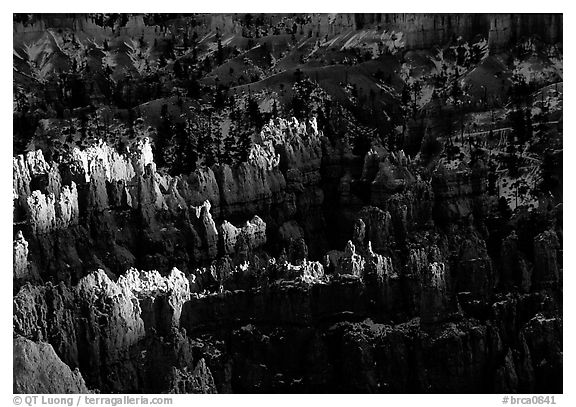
<point>20,257</point>
<point>37,369</point>
<point>425,30</point>
<point>101,190</point>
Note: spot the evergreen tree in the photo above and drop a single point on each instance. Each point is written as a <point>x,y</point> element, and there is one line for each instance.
<point>416,91</point>
<point>551,168</point>
<point>214,151</point>
<point>181,164</point>
<point>405,97</point>
<point>185,40</point>
<point>253,112</point>
<point>194,55</point>
<point>209,138</point>
<point>301,105</point>
<point>275,109</point>
<point>219,52</point>
<point>517,118</point>
<point>504,208</point>
<point>430,146</point>
<point>243,130</point>
<point>492,179</point>
<point>207,64</point>
<point>245,143</point>
<point>528,125</point>
<point>193,87</point>
<point>83,125</point>
<point>512,161</point>
<point>219,97</point>
<point>191,147</point>
<point>164,139</point>
<point>178,72</point>
<point>230,151</point>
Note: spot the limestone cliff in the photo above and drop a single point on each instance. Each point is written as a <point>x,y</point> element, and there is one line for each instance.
<point>417,260</point>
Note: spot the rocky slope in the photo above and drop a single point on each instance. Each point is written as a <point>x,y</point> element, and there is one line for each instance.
<point>176,230</point>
